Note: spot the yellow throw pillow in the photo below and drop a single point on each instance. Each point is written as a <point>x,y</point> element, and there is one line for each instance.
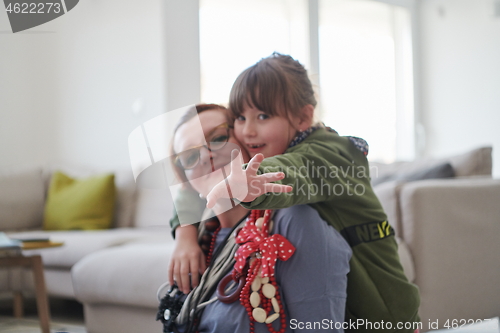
<point>79,204</point>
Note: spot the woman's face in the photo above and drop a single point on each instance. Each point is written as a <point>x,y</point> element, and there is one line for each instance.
<point>213,166</point>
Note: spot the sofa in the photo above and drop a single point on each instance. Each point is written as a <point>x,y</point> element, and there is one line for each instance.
<point>447,230</point>
<point>140,221</point>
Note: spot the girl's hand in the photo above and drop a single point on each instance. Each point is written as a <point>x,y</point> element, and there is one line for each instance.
<point>188,261</point>
<point>246,185</point>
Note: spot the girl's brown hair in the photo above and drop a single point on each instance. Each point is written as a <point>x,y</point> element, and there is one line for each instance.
<point>190,114</point>
<point>277,85</point>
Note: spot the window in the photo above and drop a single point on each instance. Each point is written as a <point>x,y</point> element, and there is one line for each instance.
<point>364,52</point>
<point>366,74</point>
<point>235,34</point>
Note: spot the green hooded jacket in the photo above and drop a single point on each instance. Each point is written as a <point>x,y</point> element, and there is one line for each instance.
<point>330,173</point>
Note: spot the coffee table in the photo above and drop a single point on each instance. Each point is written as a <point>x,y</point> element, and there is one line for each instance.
<point>34,262</point>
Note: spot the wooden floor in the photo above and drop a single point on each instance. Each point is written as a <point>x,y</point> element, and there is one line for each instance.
<point>67,316</point>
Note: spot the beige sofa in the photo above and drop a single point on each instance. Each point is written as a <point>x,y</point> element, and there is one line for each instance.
<point>141,219</point>
<point>447,229</point>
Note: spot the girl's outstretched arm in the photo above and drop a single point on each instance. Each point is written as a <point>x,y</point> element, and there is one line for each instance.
<point>245,185</point>
<point>327,167</point>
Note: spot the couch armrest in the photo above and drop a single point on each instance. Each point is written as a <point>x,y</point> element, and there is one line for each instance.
<point>452,228</point>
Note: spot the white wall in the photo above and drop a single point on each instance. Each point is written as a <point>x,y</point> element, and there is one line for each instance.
<point>67,87</point>
<point>28,96</point>
<point>460,73</point>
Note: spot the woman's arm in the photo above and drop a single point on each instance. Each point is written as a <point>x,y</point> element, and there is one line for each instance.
<point>188,261</point>
<point>188,208</point>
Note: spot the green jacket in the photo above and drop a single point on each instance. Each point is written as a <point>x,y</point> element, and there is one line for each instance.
<point>331,174</point>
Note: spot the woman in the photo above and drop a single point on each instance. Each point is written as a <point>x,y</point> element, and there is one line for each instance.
<point>311,282</point>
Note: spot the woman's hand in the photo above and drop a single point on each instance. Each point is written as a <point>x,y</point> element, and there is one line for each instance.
<point>246,185</point>
<point>188,261</point>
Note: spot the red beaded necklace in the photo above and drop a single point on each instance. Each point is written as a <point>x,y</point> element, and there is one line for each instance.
<point>212,245</point>
<point>254,269</point>
<point>260,295</point>
<point>212,228</point>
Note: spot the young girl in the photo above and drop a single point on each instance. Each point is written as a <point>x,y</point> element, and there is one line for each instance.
<point>273,104</point>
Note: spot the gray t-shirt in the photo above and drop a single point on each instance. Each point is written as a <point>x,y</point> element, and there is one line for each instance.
<point>312,282</point>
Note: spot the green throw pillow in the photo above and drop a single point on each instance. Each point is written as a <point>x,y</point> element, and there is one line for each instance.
<point>79,204</point>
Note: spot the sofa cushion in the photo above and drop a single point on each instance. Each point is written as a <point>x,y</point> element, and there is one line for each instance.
<point>388,195</point>
<point>22,197</point>
<point>98,278</point>
<point>477,162</point>
<point>154,207</point>
<point>126,193</point>
<point>452,229</point>
<point>406,259</point>
<point>79,204</point>
<point>126,197</point>
<point>442,170</point>
<point>78,244</point>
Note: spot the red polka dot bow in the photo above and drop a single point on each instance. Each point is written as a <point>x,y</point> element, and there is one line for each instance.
<point>268,248</point>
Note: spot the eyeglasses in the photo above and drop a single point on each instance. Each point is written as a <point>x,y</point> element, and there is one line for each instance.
<point>216,140</point>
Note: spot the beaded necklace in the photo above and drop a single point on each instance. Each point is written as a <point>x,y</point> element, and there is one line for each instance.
<point>254,269</point>
<point>256,257</point>
<point>207,243</point>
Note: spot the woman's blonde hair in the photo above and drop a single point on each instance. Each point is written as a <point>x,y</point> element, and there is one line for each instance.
<point>277,85</point>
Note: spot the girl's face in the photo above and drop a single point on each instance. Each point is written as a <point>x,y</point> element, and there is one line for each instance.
<point>212,165</point>
<point>259,133</point>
